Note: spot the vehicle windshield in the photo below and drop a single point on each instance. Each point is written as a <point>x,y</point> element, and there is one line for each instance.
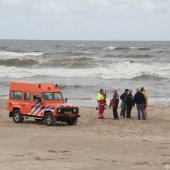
<point>52,96</point>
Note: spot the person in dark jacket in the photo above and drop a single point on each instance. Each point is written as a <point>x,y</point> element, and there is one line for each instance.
<point>123,104</point>
<point>129,103</point>
<point>114,102</point>
<point>139,99</point>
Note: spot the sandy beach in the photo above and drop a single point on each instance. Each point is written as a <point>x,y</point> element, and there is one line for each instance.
<point>92,144</point>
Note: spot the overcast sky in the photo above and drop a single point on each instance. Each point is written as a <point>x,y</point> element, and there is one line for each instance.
<point>85,19</point>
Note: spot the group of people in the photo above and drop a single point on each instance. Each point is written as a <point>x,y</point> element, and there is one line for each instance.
<point>127,102</point>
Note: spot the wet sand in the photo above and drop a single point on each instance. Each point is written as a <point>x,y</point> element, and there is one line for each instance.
<point>92,144</point>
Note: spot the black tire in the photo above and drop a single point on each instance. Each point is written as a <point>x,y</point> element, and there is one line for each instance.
<point>49,119</point>
<point>39,120</point>
<point>72,121</point>
<point>17,117</point>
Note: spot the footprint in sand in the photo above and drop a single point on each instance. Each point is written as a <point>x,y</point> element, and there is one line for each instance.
<point>165,154</point>
<point>167,166</point>
<point>146,140</point>
<point>162,147</point>
<point>18,155</point>
<point>64,151</point>
<point>141,163</point>
<point>52,151</point>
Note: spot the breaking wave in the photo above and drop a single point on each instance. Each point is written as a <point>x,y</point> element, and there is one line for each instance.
<point>130,70</point>
<point>129,56</point>
<point>71,53</point>
<point>9,54</point>
<point>122,48</point>
<point>110,48</point>
<point>127,48</point>
<point>139,56</point>
<point>18,62</point>
<point>121,70</point>
<point>144,48</point>
<point>148,77</point>
<point>82,62</point>
<point>64,86</point>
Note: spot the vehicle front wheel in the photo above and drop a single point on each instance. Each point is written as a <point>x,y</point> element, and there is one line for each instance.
<point>72,121</point>
<point>17,117</point>
<point>49,119</point>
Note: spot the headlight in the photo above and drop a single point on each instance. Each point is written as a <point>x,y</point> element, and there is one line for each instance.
<point>59,110</point>
<point>75,110</point>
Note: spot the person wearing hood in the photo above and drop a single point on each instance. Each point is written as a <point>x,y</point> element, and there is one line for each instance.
<point>114,102</point>
<point>101,99</point>
<point>129,103</point>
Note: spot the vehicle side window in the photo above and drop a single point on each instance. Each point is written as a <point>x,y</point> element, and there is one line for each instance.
<point>36,98</point>
<point>16,95</point>
<point>58,96</point>
<point>52,96</point>
<point>27,96</point>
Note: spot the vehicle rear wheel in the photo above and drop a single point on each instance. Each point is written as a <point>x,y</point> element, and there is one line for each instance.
<point>17,117</point>
<point>49,119</point>
<point>72,121</point>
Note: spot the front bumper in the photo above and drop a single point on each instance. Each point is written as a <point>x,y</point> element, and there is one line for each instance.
<point>64,117</point>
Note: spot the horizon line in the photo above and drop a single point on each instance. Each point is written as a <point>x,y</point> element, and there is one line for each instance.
<point>20,39</point>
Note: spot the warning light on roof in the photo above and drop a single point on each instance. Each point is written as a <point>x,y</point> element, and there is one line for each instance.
<point>56,86</point>
<point>49,87</point>
<point>39,85</point>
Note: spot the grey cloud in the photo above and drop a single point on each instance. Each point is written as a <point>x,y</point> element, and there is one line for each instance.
<point>85,19</point>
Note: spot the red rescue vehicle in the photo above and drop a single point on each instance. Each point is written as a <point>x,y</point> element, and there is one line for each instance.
<point>43,101</point>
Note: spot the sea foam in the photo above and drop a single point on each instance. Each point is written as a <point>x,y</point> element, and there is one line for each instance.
<point>121,70</point>
<point>10,55</point>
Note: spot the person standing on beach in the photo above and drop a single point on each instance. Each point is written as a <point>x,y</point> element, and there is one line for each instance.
<point>114,104</point>
<point>101,99</point>
<point>146,101</point>
<point>129,103</point>
<point>123,104</point>
<point>139,99</point>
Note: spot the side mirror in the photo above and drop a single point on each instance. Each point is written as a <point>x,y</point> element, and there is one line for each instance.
<point>65,100</point>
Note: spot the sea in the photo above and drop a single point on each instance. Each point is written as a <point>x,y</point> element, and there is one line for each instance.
<point>81,68</point>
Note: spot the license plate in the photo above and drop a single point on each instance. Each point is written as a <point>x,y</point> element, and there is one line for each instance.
<point>68,113</point>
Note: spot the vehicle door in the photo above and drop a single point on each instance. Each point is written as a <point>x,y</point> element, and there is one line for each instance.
<point>37,107</point>
<point>27,104</point>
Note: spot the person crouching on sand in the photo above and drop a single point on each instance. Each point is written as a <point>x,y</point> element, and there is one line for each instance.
<point>101,99</point>
<point>114,102</point>
<point>146,101</point>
